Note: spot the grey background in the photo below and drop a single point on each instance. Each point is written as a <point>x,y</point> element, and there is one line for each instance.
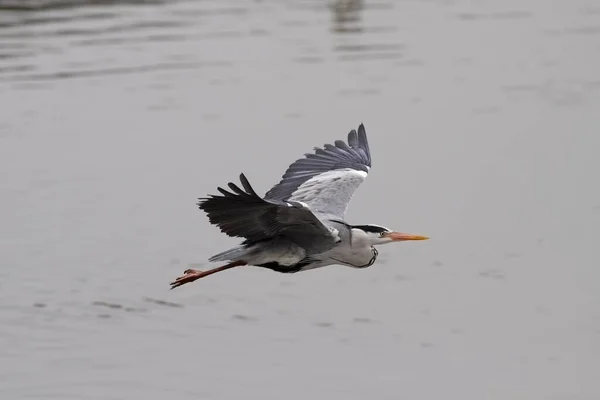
<point>483,120</point>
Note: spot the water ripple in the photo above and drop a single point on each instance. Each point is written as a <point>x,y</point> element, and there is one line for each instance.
<point>60,75</point>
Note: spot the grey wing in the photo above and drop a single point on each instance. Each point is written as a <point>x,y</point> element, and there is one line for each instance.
<point>326,179</point>
<point>243,213</point>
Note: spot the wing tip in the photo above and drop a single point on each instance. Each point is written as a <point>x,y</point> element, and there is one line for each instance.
<point>363,142</point>
<point>362,132</point>
<point>247,186</point>
<point>359,135</point>
<point>353,139</point>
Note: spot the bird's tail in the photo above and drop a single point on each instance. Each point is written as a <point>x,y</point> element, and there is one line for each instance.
<point>234,254</point>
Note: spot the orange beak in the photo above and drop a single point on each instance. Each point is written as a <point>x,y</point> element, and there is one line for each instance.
<point>399,236</point>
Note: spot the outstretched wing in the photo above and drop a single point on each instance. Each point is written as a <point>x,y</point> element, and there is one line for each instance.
<point>326,179</point>
<point>243,213</point>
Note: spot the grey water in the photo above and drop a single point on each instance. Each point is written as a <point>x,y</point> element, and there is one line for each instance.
<point>483,119</point>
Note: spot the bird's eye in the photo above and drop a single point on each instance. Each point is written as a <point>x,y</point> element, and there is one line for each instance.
<point>382,234</point>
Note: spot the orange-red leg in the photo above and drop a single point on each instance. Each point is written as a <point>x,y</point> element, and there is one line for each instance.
<point>190,275</point>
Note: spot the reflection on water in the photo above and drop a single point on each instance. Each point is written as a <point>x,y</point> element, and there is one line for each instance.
<point>346,15</point>
<point>44,5</point>
<point>483,122</point>
<point>31,36</point>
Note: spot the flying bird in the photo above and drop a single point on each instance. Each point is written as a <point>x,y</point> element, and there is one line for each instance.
<point>299,224</point>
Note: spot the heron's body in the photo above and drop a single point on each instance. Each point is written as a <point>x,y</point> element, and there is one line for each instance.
<point>299,224</point>
<point>283,255</point>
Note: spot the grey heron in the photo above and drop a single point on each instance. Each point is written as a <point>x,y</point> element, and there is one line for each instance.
<point>299,224</point>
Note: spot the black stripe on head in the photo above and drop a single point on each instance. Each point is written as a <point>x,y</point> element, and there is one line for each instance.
<point>371,228</point>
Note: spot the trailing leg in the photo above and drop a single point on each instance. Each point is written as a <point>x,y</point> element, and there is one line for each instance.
<point>191,275</point>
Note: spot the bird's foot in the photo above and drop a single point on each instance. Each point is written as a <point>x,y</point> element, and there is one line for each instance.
<point>189,275</point>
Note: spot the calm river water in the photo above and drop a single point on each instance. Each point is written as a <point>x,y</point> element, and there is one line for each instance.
<point>483,119</point>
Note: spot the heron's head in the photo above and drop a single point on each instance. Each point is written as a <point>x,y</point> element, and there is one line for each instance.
<point>377,235</point>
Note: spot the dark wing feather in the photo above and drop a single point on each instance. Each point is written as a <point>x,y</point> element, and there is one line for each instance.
<point>243,213</point>
<point>326,179</point>
<point>354,155</point>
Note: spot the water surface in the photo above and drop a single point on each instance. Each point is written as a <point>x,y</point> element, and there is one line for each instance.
<point>483,125</point>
